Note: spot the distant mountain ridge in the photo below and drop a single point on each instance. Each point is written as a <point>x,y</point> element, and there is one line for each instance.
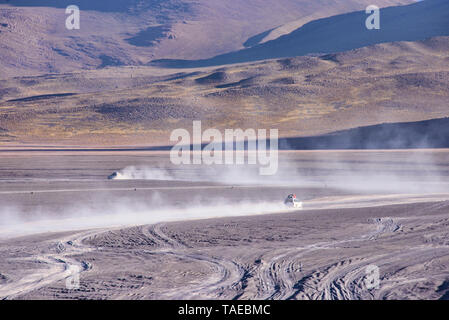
<point>418,21</point>
<point>34,39</point>
<point>121,6</point>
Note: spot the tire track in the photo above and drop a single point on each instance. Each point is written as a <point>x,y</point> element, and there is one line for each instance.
<point>225,277</point>
<point>60,266</point>
<point>282,277</point>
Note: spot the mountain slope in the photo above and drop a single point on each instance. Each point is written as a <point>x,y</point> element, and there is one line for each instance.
<point>34,40</point>
<point>413,22</point>
<point>301,96</point>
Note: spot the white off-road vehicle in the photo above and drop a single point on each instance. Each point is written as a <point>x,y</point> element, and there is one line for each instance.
<point>293,202</point>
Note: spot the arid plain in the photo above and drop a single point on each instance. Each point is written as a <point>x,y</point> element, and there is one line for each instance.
<point>236,240</point>
<point>363,124</point>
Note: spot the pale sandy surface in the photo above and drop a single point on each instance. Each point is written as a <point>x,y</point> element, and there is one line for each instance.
<point>208,238</point>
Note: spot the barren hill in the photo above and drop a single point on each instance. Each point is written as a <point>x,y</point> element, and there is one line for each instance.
<point>34,39</point>
<point>302,96</point>
<point>418,21</point>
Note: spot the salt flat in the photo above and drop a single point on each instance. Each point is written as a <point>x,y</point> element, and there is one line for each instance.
<point>223,233</point>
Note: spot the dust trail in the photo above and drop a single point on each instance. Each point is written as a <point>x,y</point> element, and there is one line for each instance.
<point>125,213</point>
<point>419,172</point>
<point>143,173</point>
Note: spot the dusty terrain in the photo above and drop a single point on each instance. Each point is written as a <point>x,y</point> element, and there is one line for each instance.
<point>76,106</point>
<point>189,233</point>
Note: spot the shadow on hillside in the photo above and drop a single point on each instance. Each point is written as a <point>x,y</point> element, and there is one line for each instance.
<point>408,135</point>
<point>423,134</point>
<point>418,21</point>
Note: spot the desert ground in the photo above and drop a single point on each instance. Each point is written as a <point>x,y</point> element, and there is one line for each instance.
<point>362,115</point>
<point>169,232</point>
